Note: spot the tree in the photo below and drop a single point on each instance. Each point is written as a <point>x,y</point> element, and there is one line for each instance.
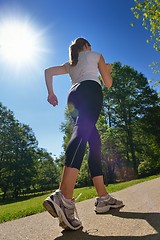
<point>47,172</point>
<point>6,122</point>
<point>24,152</point>
<point>17,153</point>
<point>124,105</point>
<point>150,127</point>
<point>23,166</point>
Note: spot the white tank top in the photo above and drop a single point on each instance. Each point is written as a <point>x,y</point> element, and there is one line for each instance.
<point>86,68</point>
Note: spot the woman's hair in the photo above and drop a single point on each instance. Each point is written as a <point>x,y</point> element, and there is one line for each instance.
<point>75,48</point>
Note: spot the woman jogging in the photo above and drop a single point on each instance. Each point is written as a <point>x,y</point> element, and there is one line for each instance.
<point>84,103</point>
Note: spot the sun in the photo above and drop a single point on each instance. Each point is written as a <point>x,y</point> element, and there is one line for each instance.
<point>19,43</point>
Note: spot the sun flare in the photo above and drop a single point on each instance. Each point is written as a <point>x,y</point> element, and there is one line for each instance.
<point>18,43</point>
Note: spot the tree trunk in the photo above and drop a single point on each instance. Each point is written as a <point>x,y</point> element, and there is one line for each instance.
<point>131,144</point>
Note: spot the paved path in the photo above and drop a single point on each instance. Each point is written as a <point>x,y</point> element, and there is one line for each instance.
<point>138,220</point>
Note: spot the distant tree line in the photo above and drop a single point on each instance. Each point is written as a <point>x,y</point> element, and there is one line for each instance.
<point>23,166</point>
<point>129,126</point>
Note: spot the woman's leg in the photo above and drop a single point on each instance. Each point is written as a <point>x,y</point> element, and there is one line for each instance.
<point>68,182</point>
<point>86,100</point>
<point>99,186</point>
<point>94,156</point>
<point>94,161</point>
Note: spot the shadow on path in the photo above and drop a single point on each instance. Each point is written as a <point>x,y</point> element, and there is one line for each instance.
<point>152,218</point>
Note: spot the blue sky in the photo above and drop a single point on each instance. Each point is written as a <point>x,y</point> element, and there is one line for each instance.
<point>106,25</point>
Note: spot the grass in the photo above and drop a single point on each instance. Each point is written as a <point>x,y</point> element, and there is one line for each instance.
<point>19,209</point>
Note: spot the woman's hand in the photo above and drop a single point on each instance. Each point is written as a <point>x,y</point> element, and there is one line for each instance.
<point>52,99</point>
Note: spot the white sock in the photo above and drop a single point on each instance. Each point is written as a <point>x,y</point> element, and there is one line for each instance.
<point>107,197</point>
<point>68,200</point>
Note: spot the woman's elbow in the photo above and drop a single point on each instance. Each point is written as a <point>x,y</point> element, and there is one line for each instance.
<point>108,82</point>
<point>47,73</point>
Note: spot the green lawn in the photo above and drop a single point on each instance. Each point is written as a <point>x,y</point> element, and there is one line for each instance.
<point>33,205</point>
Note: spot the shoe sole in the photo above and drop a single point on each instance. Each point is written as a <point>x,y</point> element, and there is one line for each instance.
<point>63,222</point>
<point>107,208</point>
<point>50,208</point>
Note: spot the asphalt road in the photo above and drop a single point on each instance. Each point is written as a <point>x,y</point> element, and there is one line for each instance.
<point>139,219</point>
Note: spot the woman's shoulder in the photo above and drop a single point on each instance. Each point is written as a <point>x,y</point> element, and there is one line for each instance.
<point>94,54</point>
<point>66,65</point>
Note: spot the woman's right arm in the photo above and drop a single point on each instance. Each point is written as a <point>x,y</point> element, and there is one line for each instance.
<point>105,70</point>
<point>49,73</point>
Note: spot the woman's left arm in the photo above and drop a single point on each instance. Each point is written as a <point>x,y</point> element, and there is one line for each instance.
<point>53,71</point>
<point>49,73</point>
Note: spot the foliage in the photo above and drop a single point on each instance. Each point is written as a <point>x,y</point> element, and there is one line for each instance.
<point>47,174</point>
<point>22,165</point>
<point>66,127</point>
<point>17,150</point>
<point>84,178</point>
<point>149,11</point>
<point>150,127</point>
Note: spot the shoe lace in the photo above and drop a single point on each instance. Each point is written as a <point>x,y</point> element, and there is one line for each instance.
<point>70,211</point>
<point>78,197</point>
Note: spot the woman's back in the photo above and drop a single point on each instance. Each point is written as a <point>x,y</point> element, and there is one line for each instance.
<point>86,68</point>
